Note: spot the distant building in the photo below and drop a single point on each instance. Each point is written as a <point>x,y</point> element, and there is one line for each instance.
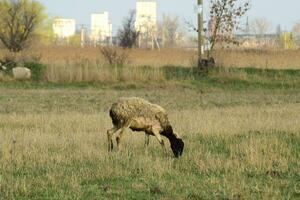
<point>146,21</point>
<point>64,28</point>
<point>253,41</point>
<point>101,28</point>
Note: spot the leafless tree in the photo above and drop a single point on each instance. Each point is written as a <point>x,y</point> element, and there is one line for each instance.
<point>114,56</point>
<point>296,32</point>
<point>170,31</point>
<point>225,16</point>
<point>18,21</point>
<point>128,35</point>
<point>261,26</point>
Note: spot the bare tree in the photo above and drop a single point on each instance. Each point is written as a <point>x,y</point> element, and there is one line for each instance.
<point>296,32</point>
<point>261,26</point>
<point>114,56</point>
<point>170,30</point>
<point>18,21</point>
<point>225,16</point>
<point>128,35</point>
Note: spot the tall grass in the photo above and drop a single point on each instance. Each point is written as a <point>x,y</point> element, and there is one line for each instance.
<point>271,59</point>
<point>104,74</point>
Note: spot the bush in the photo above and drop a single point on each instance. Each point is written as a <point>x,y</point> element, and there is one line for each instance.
<point>7,64</point>
<point>37,70</point>
<point>114,56</point>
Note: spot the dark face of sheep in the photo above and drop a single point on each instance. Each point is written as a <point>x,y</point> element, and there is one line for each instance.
<point>177,146</point>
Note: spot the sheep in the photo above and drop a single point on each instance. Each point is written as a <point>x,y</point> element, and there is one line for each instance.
<point>140,115</point>
<point>21,73</point>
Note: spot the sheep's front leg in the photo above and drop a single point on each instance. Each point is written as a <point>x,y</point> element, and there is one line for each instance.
<point>160,140</point>
<point>110,133</point>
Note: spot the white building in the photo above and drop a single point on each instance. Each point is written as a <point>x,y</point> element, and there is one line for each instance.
<point>145,15</point>
<point>64,28</point>
<point>101,28</point>
<point>146,21</point>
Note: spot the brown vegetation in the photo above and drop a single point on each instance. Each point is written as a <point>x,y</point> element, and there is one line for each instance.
<point>73,64</point>
<point>273,59</point>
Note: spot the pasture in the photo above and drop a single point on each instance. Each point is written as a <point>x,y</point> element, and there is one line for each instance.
<point>241,129</point>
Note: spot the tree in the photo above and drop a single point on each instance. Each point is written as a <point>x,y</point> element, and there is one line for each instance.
<point>18,21</point>
<point>224,20</point>
<point>170,32</point>
<point>296,32</point>
<point>278,30</point>
<point>288,41</point>
<point>128,35</point>
<point>261,26</point>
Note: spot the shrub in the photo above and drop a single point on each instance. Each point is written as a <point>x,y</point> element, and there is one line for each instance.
<point>7,64</point>
<point>114,56</point>
<point>37,70</point>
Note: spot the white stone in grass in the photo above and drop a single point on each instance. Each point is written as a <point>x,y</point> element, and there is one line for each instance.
<point>21,73</point>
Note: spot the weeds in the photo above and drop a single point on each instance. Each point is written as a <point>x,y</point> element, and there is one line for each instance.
<point>37,70</point>
<point>114,56</point>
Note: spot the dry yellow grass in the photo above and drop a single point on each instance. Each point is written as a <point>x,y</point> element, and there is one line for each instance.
<point>267,59</point>
<point>73,56</point>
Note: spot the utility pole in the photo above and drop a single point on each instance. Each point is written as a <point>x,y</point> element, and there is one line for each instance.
<point>200,29</point>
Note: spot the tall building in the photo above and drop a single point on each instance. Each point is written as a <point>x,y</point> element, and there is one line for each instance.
<point>146,18</point>
<point>101,28</point>
<point>64,28</point>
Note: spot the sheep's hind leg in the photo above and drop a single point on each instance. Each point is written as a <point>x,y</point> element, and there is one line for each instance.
<point>110,133</point>
<point>119,137</point>
<point>147,140</point>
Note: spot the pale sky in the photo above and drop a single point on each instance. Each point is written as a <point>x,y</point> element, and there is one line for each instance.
<point>285,13</point>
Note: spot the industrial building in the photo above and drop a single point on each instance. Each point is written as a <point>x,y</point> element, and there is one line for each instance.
<point>101,28</point>
<point>64,28</point>
<point>146,22</point>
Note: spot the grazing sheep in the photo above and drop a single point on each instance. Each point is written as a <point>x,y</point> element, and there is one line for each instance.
<point>21,73</point>
<point>141,115</point>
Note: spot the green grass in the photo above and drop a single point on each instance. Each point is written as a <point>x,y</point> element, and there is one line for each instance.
<point>223,78</point>
<point>241,128</point>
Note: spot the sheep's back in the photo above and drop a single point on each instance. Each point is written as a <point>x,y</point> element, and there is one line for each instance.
<point>126,109</point>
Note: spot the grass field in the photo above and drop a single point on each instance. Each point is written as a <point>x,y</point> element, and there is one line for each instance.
<point>241,128</point>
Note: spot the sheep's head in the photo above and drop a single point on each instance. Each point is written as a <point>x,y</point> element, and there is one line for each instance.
<point>177,146</point>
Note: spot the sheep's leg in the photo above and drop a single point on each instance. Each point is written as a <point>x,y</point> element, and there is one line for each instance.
<point>160,140</point>
<point>147,140</point>
<point>119,137</point>
<point>110,133</point>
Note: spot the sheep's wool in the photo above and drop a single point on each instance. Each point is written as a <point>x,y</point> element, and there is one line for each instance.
<point>126,109</point>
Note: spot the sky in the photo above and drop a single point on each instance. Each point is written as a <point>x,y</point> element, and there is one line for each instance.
<point>285,13</point>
